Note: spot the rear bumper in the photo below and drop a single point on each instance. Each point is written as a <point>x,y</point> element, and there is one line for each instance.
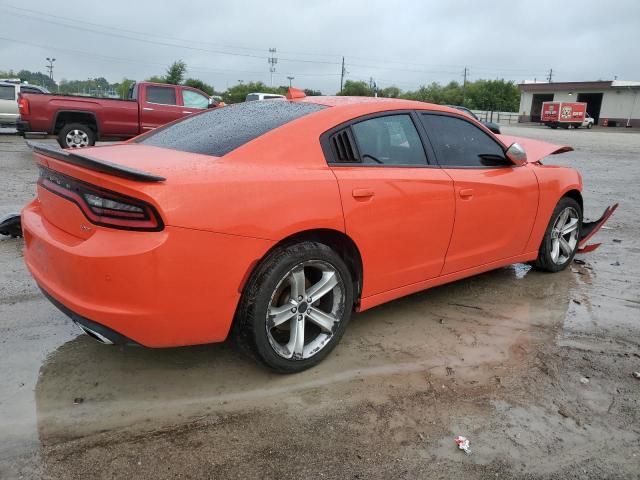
<point>157,289</point>
<point>23,127</point>
<point>99,332</point>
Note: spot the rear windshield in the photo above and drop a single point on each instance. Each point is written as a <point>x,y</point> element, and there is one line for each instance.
<point>221,130</point>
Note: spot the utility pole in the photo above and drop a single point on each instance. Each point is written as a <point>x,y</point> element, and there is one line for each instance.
<point>342,72</point>
<point>50,67</point>
<point>550,76</point>
<point>290,78</point>
<point>464,86</point>
<point>272,60</point>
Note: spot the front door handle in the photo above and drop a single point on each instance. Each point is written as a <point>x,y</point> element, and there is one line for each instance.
<point>466,192</point>
<point>148,109</point>
<point>186,111</point>
<point>362,193</point>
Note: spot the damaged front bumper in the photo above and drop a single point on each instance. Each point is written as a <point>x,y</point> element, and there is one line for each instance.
<point>589,229</point>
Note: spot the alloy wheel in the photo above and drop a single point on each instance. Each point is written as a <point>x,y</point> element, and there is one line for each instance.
<point>564,235</point>
<point>77,139</point>
<point>305,310</point>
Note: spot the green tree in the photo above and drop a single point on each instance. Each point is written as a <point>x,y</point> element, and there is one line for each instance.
<point>496,95</point>
<point>238,93</point>
<point>123,88</point>
<point>390,92</point>
<point>156,79</point>
<point>200,85</point>
<point>356,89</point>
<point>175,72</point>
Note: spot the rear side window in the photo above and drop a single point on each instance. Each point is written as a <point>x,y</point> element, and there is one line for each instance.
<point>459,143</point>
<point>389,140</point>
<point>161,95</point>
<point>221,130</point>
<point>7,92</point>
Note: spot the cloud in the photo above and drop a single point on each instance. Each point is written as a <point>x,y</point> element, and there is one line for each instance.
<point>406,43</point>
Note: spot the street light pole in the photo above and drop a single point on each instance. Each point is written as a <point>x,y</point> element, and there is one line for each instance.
<point>50,67</point>
<point>290,78</point>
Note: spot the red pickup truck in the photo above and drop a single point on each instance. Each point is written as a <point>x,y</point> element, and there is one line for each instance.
<point>79,121</point>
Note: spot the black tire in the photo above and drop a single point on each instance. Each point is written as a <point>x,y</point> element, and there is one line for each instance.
<point>553,126</point>
<point>545,261</point>
<point>84,130</point>
<point>250,327</point>
<point>589,125</point>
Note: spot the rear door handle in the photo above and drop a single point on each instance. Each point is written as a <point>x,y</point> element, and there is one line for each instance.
<point>148,109</point>
<point>362,193</point>
<point>466,192</point>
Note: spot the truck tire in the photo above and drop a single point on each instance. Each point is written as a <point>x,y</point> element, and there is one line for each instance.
<point>76,135</point>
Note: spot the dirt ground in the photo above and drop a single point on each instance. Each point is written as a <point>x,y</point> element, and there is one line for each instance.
<point>535,369</point>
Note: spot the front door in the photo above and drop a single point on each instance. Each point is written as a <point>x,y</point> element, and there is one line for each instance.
<point>496,202</point>
<point>398,208</point>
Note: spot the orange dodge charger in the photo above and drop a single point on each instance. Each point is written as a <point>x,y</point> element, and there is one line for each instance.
<point>276,220</point>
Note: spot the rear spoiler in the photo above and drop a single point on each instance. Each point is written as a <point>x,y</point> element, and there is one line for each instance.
<point>95,164</point>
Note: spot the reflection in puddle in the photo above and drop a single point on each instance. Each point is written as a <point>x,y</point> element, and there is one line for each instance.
<point>462,332</point>
<point>521,269</point>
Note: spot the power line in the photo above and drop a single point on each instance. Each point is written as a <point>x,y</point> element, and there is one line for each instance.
<point>246,55</point>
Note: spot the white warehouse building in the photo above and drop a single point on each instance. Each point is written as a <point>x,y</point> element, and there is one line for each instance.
<point>613,103</point>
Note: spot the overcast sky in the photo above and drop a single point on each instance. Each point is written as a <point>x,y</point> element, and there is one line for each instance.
<point>403,43</point>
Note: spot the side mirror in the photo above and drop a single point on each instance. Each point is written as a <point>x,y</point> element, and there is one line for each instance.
<point>517,155</point>
<point>213,103</point>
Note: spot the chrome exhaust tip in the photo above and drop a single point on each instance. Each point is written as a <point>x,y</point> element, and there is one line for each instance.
<point>95,335</point>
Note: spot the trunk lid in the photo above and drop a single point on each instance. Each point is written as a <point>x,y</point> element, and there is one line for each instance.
<point>139,172</point>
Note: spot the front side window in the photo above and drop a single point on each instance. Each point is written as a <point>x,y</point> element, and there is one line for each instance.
<point>7,92</point>
<point>389,140</point>
<point>193,99</point>
<point>459,143</point>
<point>161,95</point>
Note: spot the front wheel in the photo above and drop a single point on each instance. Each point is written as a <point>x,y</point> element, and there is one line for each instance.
<point>561,238</point>
<point>76,135</point>
<point>296,307</point>
<point>589,125</point>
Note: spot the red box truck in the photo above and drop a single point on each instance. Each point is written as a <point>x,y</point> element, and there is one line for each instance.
<point>565,115</point>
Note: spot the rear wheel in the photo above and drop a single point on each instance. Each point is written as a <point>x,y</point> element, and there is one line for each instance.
<point>76,135</point>
<point>561,238</point>
<point>295,307</point>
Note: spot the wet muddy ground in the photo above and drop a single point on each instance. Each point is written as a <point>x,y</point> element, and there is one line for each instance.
<point>535,369</point>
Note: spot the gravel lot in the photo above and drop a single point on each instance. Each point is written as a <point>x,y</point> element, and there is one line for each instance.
<point>535,369</point>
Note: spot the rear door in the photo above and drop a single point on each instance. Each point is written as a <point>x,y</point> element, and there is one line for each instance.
<point>397,206</point>
<point>159,105</point>
<point>496,202</point>
<point>8,104</point>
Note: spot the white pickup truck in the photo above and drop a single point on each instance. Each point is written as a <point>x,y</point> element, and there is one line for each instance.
<point>9,91</point>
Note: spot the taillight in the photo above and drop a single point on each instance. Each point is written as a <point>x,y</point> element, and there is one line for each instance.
<point>102,207</point>
<point>23,106</point>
